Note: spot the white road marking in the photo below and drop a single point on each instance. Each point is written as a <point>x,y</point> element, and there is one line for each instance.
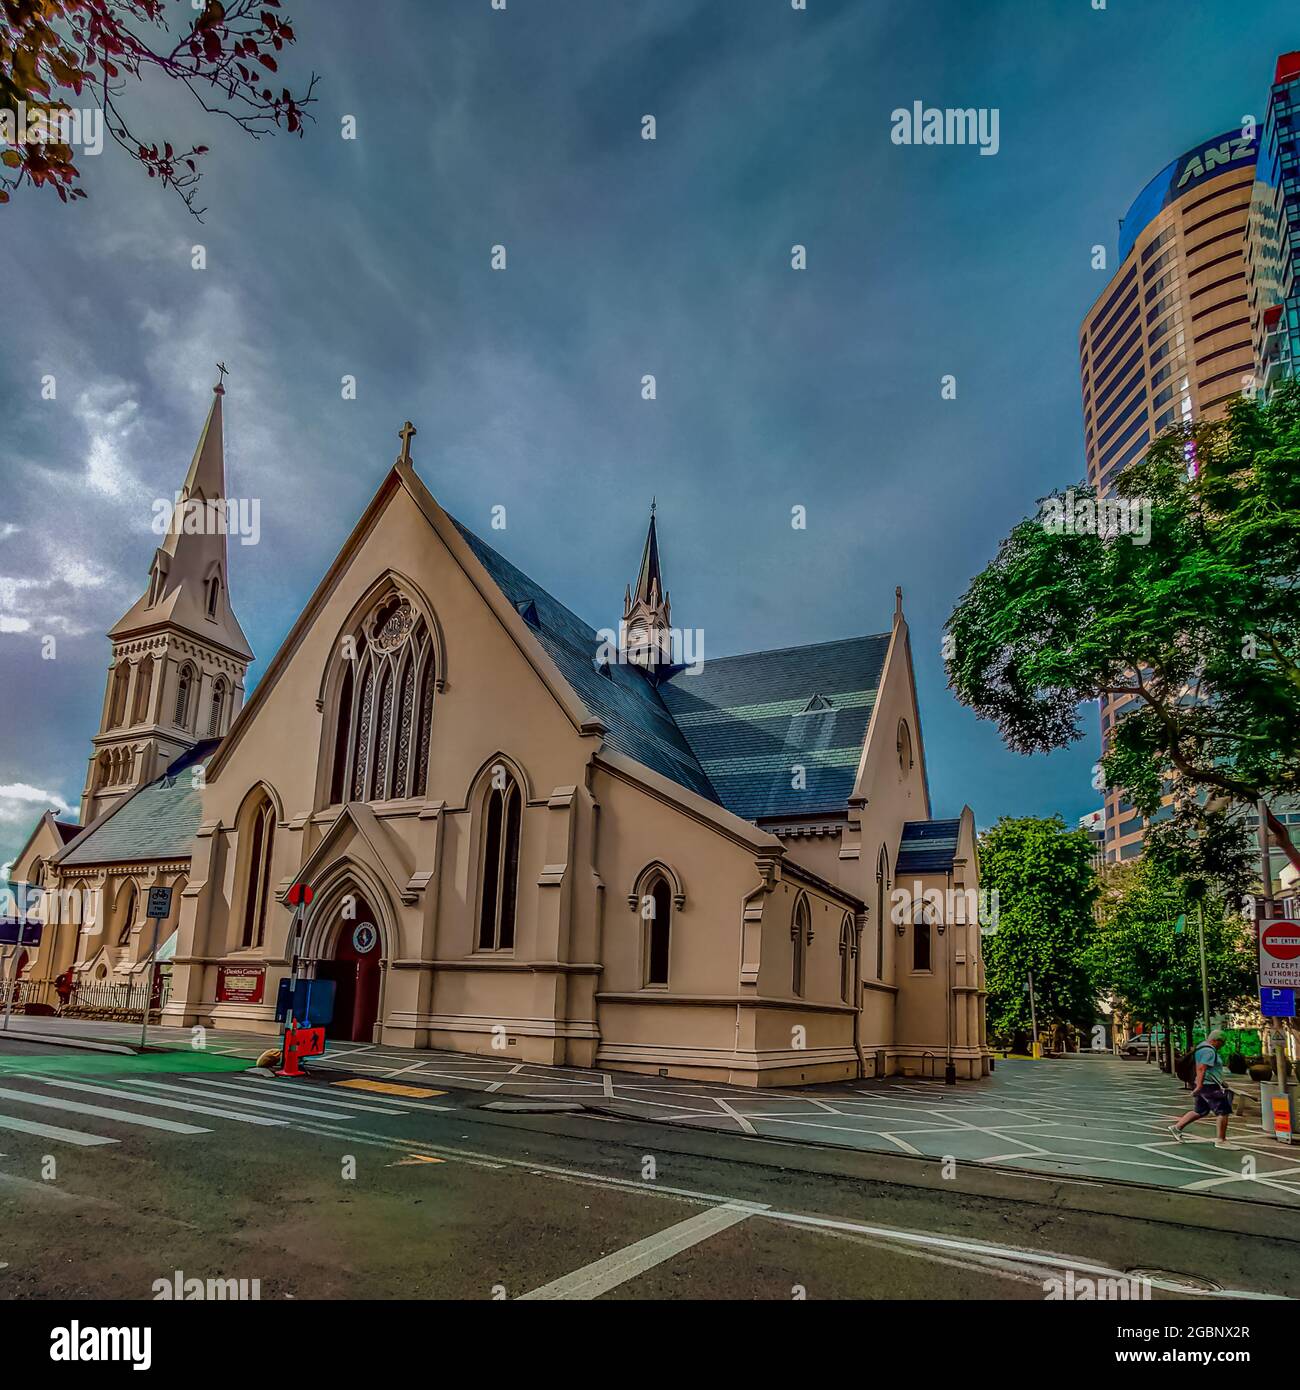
<point>282,1107</point>
<point>64,1136</point>
<point>283,1093</point>
<point>188,1106</point>
<point>103,1112</point>
<point>602,1275</point>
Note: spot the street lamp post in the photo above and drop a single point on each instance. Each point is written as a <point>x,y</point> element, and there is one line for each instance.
<point>1033,1015</point>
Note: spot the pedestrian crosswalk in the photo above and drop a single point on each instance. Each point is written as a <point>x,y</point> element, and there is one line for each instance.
<point>105,1111</point>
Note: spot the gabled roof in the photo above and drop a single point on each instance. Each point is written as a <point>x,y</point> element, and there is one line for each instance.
<point>624,699</point>
<point>158,821</point>
<point>753,720</point>
<point>68,830</point>
<point>927,847</point>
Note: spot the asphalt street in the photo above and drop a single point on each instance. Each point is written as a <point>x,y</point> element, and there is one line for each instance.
<point>117,1172</point>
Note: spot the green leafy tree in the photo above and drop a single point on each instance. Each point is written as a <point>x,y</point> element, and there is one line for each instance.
<point>1040,875</point>
<point>1199,625</point>
<point>59,54</point>
<point>1145,954</point>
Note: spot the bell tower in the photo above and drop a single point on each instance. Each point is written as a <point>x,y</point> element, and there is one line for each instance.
<point>646,632</point>
<point>176,675</point>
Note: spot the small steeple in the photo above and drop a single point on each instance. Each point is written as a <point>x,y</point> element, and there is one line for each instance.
<point>647,637</point>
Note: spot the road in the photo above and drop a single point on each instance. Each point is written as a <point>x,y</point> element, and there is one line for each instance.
<point>116,1172</point>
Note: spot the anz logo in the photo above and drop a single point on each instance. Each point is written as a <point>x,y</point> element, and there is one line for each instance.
<point>1225,153</point>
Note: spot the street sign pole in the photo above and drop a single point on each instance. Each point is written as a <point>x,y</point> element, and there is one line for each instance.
<point>1205,987</point>
<point>1033,1016</point>
<point>9,984</point>
<point>160,906</point>
<point>1266,878</point>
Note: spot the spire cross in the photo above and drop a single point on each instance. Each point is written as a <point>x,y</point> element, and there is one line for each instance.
<point>406,434</point>
<point>220,387</point>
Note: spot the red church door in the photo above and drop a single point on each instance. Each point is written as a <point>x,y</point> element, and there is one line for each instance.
<point>355,972</point>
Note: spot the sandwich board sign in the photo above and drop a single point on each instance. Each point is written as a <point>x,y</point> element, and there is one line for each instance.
<point>1279,955</point>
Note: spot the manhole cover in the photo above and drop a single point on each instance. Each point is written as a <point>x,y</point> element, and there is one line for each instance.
<point>1194,1282</point>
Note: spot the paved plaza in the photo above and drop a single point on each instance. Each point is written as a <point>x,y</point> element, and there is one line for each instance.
<point>1084,1118</point>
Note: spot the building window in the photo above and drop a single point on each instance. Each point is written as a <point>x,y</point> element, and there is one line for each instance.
<point>920,941</point>
<point>904,747</point>
<point>384,714</point>
<point>801,934</point>
<point>882,887</point>
<point>218,707</point>
<point>847,954</point>
<point>259,826</point>
<point>117,703</point>
<point>214,595</point>
<point>128,916</point>
<point>184,689</point>
<point>657,912</point>
<point>502,816</point>
<point>143,689</point>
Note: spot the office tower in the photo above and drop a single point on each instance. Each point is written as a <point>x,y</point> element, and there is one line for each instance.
<point>1273,239</point>
<point>1168,339</point>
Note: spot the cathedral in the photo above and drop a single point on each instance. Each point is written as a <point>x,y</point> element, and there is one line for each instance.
<point>521,836</point>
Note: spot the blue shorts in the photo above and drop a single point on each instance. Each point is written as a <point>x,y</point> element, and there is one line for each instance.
<point>1213,1100</point>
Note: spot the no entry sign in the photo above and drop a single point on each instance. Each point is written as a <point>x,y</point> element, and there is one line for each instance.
<point>1279,955</point>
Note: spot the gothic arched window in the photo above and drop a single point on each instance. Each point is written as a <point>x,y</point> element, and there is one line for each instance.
<point>218,706</point>
<point>847,954</point>
<point>658,903</point>
<point>921,939</point>
<point>502,815</point>
<point>384,710</point>
<point>882,887</point>
<point>143,689</point>
<point>117,702</point>
<point>127,918</point>
<point>801,932</point>
<point>184,689</point>
<point>257,831</point>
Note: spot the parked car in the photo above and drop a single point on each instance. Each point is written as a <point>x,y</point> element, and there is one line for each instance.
<point>1143,1044</point>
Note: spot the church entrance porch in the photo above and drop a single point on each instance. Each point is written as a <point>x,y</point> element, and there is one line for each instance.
<point>354,968</point>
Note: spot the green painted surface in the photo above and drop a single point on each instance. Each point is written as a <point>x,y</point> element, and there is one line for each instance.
<point>120,1064</point>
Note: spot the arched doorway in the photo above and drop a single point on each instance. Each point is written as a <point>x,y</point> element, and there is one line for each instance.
<point>353,965</point>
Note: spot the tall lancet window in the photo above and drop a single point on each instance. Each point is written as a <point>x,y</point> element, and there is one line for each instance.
<point>502,816</point>
<point>218,707</point>
<point>384,708</point>
<point>801,935</point>
<point>117,701</point>
<point>257,832</point>
<point>184,691</point>
<point>143,689</point>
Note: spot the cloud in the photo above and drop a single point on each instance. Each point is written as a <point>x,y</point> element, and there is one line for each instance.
<point>20,802</point>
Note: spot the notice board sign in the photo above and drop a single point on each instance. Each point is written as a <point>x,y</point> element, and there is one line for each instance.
<point>240,984</point>
<point>1279,955</point>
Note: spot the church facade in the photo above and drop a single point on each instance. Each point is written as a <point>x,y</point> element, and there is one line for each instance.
<point>521,837</point>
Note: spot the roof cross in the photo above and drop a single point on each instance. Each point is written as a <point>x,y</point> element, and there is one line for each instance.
<point>220,387</point>
<point>406,434</point>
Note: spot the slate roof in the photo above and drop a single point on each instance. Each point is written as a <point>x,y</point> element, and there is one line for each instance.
<point>753,719</point>
<point>735,731</point>
<point>68,830</point>
<point>157,822</point>
<point>927,847</point>
<point>625,700</point>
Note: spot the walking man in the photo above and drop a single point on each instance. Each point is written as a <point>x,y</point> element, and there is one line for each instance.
<point>1209,1095</point>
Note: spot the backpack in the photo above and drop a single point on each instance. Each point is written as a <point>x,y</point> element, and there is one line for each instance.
<point>1185,1068</point>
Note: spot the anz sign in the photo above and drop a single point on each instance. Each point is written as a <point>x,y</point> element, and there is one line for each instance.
<point>1227,152</point>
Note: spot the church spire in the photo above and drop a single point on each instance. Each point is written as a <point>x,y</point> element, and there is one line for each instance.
<point>647,639</point>
<point>179,657</point>
<point>650,583</point>
<point>188,580</point>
